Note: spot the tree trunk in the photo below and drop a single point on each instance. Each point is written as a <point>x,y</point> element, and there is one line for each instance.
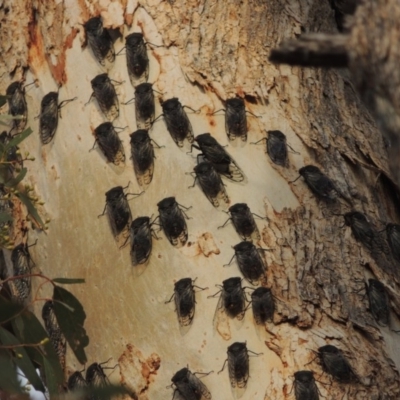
<point>211,51</point>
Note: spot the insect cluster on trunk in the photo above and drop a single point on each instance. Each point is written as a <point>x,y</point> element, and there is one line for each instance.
<point>211,183</point>
<point>233,298</point>
<point>17,104</point>
<point>141,240</point>
<point>144,105</point>
<point>250,262</point>
<point>118,210</point>
<point>142,154</point>
<point>213,152</point>
<point>48,118</point>
<point>263,305</point>
<point>378,302</point>
<point>305,387</point>
<point>243,221</point>
<point>335,363</point>
<point>22,265</point>
<point>99,40</point>
<point>177,121</point>
<point>106,96</point>
<point>319,183</point>
<point>137,60</point>
<point>189,386</point>
<point>110,143</point>
<point>172,221</point>
<point>56,336</point>
<point>235,119</point>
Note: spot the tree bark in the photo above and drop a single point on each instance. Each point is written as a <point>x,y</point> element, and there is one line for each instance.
<point>316,269</point>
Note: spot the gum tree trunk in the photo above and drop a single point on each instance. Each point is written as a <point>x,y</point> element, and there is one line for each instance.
<point>210,51</point>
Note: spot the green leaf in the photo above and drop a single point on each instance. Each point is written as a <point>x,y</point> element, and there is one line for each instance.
<point>70,317</point>
<point>50,377</point>
<point>28,329</point>
<point>68,281</point>
<point>21,359</point>
<point>4,217</point>
<point>17,139</point>
<point>8,309</point>
<point>8,377</point>
<point>31,208</point>
<point>3,100</point>
<point>14,181</point>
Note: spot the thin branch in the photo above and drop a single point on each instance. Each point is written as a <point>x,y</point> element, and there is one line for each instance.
<point>313,50</point>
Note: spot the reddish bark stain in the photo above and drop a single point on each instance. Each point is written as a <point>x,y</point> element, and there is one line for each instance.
<point>58,70</point>
<point>36,56</point>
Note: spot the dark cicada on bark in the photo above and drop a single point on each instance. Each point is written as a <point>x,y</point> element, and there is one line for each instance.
<point>99,40</point>
<point>185,302</point>
<point>238,365</point>
<point>17,104</point>
<point>243,221</point>
<point>277,148</point>
<point>76,382</point>
<point>233,298</point>
<point>22,265</point>
<point>319,183</point>
<point>378,302</point>
<point>137,60</point>
<point>96,378</point>
<point>213,152</point>
<point>235,119</point>
<point>118,210</point>
<point>172,221</point>
<point>393,237</point>
<point>263,305</point>
<point>189,386</point>
<point>364,231</point>
<point>141,240</point>
<point>177,121</point>
<point>144,105</point>
<point>106,96</point>
<point>305,387</point>
<point>95,375</point>
<point>110,143</point>
<point>142,154</point>
<point>335,363</point>
<point>250,262</point>
<point>56,336</point>
<point>211,183</point>
<point>48,118</point>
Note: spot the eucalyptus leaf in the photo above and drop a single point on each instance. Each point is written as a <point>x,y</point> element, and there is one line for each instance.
<point>68,281</point>
<point>8,309</point>
<point>31,208</point>
<point>13,182</point>
<point>70,317</point>
<point>21,359</point>
<point>17,139</point>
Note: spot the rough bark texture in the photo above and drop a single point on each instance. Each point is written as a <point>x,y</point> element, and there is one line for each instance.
<point>213,51</point>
